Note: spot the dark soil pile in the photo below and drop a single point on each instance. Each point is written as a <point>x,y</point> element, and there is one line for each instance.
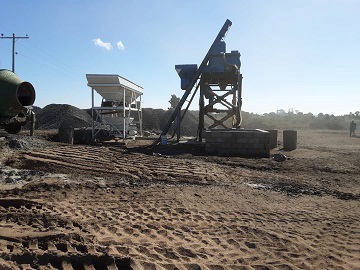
<point>26,142</point>
<point>154,120</point>
<point>36,109</point>
<point>54,116</point>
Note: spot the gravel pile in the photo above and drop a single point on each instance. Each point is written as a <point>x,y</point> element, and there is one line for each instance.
<point>54,116</point>
<point>154,120</point>
<point>189,124</point>
<point>14,176</point>
<point>25,142</point>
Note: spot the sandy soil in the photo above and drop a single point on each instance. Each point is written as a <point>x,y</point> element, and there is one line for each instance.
<point>138,206</point>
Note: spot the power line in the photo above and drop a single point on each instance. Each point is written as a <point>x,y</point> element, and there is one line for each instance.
<point>14,39</point>
<point>49,58</point>
<point>35,60</point>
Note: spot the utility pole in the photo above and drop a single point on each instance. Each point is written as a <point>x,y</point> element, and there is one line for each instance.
<point>14,39</point>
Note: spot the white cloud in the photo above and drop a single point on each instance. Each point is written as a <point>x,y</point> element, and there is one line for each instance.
<point>102,44</point>
<point>120,45</point>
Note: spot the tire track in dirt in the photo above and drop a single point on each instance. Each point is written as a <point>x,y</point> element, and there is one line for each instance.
<point>135,166</point>
<point>145,229</point>
<point>39,236</point>
<point>159,233</point>
<point>184,227</point>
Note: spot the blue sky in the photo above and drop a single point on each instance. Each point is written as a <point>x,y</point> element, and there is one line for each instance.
<point>300,54</point>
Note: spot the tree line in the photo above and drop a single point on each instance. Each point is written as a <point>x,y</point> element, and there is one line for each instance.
<point>293,119</point>
<point>298,120</point>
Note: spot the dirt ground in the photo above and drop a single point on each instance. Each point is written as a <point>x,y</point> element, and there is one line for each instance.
<point>137,206</point>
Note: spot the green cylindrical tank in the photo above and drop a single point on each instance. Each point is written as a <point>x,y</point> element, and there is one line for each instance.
<point>14,94</point>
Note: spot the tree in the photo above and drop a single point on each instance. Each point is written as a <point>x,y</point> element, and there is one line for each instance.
<point>281,112</point>
<point>174,101</point>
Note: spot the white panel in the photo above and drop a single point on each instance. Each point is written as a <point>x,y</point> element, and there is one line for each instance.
<point>111,87</point>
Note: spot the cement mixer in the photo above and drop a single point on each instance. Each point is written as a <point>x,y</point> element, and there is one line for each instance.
<point>16,100</point>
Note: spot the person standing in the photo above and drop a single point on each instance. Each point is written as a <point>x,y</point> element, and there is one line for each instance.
<point>352,128</point>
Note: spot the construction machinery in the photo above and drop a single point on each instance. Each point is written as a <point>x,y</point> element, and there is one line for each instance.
<point>121,104</point>
<point>219,79</point>
<point>16,100</point>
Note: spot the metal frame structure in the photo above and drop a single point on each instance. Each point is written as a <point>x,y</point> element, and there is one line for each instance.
<point>218,78</point>
<point>120,97</point>
<point>222,93</point>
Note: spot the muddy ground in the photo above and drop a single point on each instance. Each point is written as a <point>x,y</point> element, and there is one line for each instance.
<point>141,206</point>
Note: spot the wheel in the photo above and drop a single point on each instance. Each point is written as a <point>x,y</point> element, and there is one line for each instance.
<point>13,128</point>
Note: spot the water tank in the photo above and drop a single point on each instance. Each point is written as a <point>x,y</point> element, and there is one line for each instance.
<point>289,140</point>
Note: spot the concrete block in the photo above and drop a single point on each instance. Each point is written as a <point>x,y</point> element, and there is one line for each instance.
<point>249,134</point>
<point>273,138</point>
<point>236,145</point>
<point>216,145</point>
<point>249,146</point>
<point>242,152</point>
<point>232,151</point>
<point>254,143</point>
<point>259,146</point>
<point>263,140</point>
<point>264,153</point>
<point>206,135</point>
<point>217,134</point>
<point>242,140</point>
<point>223,152</point>
<point>210,139</point>
<point>220,139</point>
<point>212,150</point>
<point>226,145</point>
<point>254,140</point>
<point>253,152</point>
<point>227,134</point>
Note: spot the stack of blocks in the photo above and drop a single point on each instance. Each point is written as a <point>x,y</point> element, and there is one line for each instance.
<point>238,142</point>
